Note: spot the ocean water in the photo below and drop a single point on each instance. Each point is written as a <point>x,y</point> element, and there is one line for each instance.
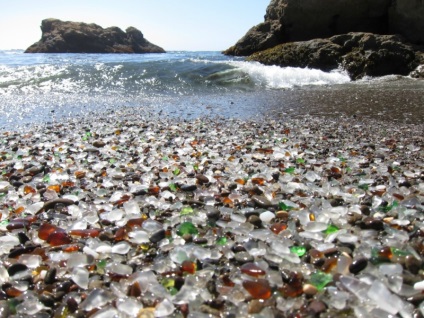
<point>39,88</point>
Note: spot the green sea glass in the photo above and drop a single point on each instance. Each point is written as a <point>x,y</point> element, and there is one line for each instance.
<point>187,228</point>
<point>320,280</point>
<point>186,210</point>
<point>221,241</point>
<point>298,250</point>
<point>331,229</point>
<point>284,207</point>
<point>289,170</point>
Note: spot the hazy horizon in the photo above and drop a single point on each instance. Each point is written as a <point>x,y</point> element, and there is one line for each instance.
<point>186,25</point>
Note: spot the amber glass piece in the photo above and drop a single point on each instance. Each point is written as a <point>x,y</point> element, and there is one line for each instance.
<point>121,234</point>
<point>252,270</point>
<point>311,216</point>
<point>227,281</point>
<point>385,253</point>
<point>85,233</point>
<point>196,154</point>
<point>315,253</point>
<point>28,189</point>
<point>117,277</point>
<point>71,249</point>
<point>265,151</point>
<point>259,289</point>
<point>19,210</point>
<point>189,267</point>
<point>154,190</point>
<point>240,181</point>
<point>58,238</point>
<point>134,223</point>
<point>258,181</point>
<point>46,229</point>
<point>122,200</point>
<point>13,292</point>
<point>67,184</point>
<point>378,193</point>
<point>302,194</point>
<point>329,264</point>
<point>54,187</point>
<point>291,291</point>
<point>335,170</point>
<point>293,286</point>
<point>398,196</point>
<point>278,227</point>
<point>91,268</point>
<point>79,174</point>
<point>228,202</point>
<point>134,290</point>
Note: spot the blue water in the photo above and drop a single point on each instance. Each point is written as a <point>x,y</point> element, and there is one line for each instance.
<point>37,88</point>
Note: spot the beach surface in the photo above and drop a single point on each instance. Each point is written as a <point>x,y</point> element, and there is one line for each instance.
<point>139,213</point>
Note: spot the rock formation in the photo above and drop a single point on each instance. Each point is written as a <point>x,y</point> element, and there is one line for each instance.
<point>300,20</point>
<point>77,37</point>
<point>297,33</point>
<point>360,54</point>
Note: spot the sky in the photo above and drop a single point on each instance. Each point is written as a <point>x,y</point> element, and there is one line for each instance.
<point>191,25</point>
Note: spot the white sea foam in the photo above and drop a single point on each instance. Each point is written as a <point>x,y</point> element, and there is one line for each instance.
<point>287,77</point>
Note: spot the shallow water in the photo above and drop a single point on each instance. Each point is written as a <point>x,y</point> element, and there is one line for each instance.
<point>39,88</point>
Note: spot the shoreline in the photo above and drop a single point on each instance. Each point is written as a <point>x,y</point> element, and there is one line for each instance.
<point>391,100</point>
<point>145,215</point>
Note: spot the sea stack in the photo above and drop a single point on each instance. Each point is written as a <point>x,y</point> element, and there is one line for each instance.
<point>78,37</point>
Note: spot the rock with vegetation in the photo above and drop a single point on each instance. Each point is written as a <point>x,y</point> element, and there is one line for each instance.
<point>77,37</point>
<point>360,54</point>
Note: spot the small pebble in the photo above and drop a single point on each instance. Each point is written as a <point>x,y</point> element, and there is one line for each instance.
<point>188,187</point>
<point>358,265</point>
<point>99,144</point>
<point>157,236</point>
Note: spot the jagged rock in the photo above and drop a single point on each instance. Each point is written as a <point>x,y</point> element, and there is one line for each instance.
<point>360,54</point>
<point>301,20</point>
<point>418,72</point>
<point>77,37</point>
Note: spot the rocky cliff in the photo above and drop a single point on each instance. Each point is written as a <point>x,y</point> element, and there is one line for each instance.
<point>300,20</point>
<point>318,34</point>
<point>77,37</point>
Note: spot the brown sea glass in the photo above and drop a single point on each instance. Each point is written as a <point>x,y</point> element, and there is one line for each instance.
<point>59,238</point>
<point>252,270</point>
<point>259,289</point>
